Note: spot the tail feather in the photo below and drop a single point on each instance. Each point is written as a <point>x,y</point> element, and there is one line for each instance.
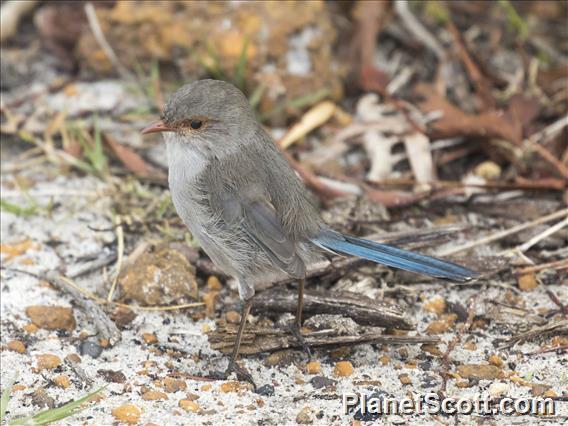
<point>392,256</point>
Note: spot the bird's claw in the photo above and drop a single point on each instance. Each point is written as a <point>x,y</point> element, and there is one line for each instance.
<point>242,374</point>
<point>295,330</point>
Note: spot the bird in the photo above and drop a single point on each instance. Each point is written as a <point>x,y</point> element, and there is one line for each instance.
<point>246,206</point>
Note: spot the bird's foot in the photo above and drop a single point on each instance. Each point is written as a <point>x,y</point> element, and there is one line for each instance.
<point>242,374</point>
<point>296,332</point>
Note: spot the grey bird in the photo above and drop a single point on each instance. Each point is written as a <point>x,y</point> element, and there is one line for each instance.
<point>246,206</point>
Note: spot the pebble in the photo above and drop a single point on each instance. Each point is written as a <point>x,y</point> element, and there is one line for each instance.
<point>73,358</point>
<point>539,389</point>
<point>232,386</point>
<point>233,317</point>
<point>479,371</point>
<point>51,317</point>
<point>42,399</point>
<point>527,282</point>
<point>189,405</point>
<point>112,376</point>
<point>319,382</point>
<point>93,349</point>
<point>149,338</point>
<point>265,390</point>
<point>62,381</point>
<point>153,395</point>
<point>127,413</point>
<point>343,369</point>
<point>405,379</point>
<point>30,328</point>
<point>174,385</point>
<point>16,346</point>
<point>122,316</point>
<point>305,416</point>
<point>47,361</point>
<point>210,299</point>
<point>496,361</point>
<point>313,367</point>
<point>384,359</point>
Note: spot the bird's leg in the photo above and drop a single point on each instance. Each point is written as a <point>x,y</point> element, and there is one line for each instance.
<point>297,326</point>
<point>242,374</point>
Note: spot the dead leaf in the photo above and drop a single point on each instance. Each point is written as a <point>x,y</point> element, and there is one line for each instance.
<point>131,160</point>
<point>311,120</point>
<point>420,157</point>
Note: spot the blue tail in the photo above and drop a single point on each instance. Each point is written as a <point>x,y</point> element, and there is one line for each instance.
<point>392,256</point>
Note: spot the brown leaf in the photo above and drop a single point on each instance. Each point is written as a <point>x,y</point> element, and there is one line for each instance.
<point>131,160</point>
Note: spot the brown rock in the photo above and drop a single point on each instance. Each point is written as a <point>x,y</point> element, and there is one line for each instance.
<point>17,388</point>
<point>305,416</point>
<point>41,398</point>
<point>233,317</point>
<point>214,284</point>
<point>128,413</point>
<point>16,346</point>
<point>51,317</point>
<point>432,350</point>
<point>189,405</point>
<point>47,362</point>
<point>112,376</point>
<point>470,346</point>
<point>496,361</point>
<point>479,371</point>
<point>527,282</point>
<point>153,395</point>
<point>74,358</point>
<point>436,305</point>
<point>62,381</point>
<point>174,385</point>
<point>539,389</point>
<point>162,276</point>
<point>313,367</point>
<point>384,359</point>
<point>444,324</point>
<point>405,379</point>
<point>232,386</point>
<point>206,388</point>
<point>343,369</point>
<point>462,384</point>
<point>122,316</point>
<point>149,338</point>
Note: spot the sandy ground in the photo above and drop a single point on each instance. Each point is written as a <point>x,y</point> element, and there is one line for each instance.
<point>63,238</point>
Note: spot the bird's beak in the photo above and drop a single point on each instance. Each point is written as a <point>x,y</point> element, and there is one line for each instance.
<point>156,127</point>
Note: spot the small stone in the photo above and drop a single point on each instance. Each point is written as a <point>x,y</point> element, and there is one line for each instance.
<point>343,369</point>
<point>17,388</point>
<point>498,389</point>
<point>153,395</point>
<point>42,399</point>
<point>174,385</point>
<point>206,388</point>
<point>214,284</point>
<point>191,396</point>
<point>313,367</point>
<point>149,338</point>
<point>340,353</point>
<point>436,305</point>
<point>128,413</point>
<point>265,390</point>
<point>122,316</point>
<point>405,379</point>
<point>16,346</point>
<point>93,349</point>
<point>111,376</point>
<point>538,389</point>
<point>62,381</point>
<point>384,359</point>
<point>47,362</point>
<point>431,349</point>
<point>305,416</point>
<point>462,384</point>
<point>527,282</point>
<point>281,358</point>
<point>319,382</point>
<point>487,170</point>
<point>496,361</point>
<point>189,405</point>
<point>469,345</point>
<point>73,358</point>
<point>30,328</point>
<point>548,394</point>
<point>232,386</point>
<point>233,317</point>
<point>437,327</point>
<point>479,371</point>
<point>51,317</point>
<point>104,343</point>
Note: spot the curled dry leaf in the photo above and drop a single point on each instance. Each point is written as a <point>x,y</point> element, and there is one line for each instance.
<point>311,120</point>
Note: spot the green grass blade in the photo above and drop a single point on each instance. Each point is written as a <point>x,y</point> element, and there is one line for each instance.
<point>17,210</point>
<point>241,66</point>
<point>55,414</point>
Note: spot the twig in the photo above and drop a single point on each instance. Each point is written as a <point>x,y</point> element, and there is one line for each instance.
<point>104,44</point>
<point>558,328</point>
<point>502,234</point>
<point>120,251</point>
<point>420,32</point>
<point>557,264</point>
<point>557,302</point>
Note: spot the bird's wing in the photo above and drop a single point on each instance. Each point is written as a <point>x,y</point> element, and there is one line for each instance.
<point>258,218</point>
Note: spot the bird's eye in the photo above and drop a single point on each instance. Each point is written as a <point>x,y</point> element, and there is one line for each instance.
<point>196,124</point>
